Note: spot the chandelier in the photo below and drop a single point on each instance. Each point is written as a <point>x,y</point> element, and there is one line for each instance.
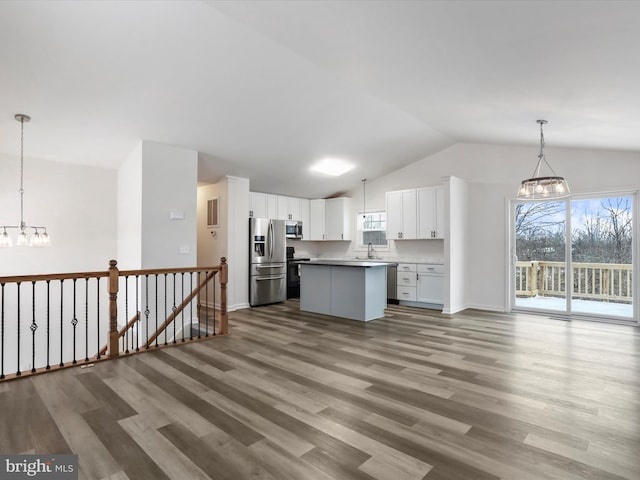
<point>39,238</point>
<point>543,188</point>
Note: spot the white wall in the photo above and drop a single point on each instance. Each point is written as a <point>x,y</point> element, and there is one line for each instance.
<point>230,239</point>
<point>75,203</point>
<point>212,242</point>
<point>130,211</point>
<point>169,184</point>
<point>238,243</point>
<point>456,245</point>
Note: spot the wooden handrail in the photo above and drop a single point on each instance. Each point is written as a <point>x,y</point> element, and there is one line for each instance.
<point>181,307</point>
<point>122,331</point>
<point>52,276</point>
<point>102,274</point>
<point>162,271</point>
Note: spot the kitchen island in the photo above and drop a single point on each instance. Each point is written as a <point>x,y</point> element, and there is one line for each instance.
<point>344,288</point>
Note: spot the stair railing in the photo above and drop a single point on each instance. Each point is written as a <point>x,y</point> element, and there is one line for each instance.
<point>69,306</point>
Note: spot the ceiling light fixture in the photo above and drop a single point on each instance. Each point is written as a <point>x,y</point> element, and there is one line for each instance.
<point>543,188</point>
<point>40,238</point>
<point>332,166</point>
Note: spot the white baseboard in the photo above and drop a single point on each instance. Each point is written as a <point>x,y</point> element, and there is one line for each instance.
<point>426,306</point>
<point>454,309</point>
<point>490,308</point>
<point>476,306</point>
<point>230,308</point>
<point>238,306</point>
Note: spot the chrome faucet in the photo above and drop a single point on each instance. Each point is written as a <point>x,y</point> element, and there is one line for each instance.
<point>369,250</point>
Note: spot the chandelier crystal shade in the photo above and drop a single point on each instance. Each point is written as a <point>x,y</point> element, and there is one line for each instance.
<point>40,237</point>
<point>543,187</point>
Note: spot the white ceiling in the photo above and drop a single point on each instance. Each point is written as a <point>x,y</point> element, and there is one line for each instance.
<point>262,89</point>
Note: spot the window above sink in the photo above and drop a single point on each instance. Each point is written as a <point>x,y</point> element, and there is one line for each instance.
<point>372,228</point>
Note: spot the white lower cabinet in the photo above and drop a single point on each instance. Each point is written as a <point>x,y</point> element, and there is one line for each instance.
<point>406,282</point>
<point>430,284</point>
<point>406,275</point>
<point>420,283</point>
<point>407,294</point>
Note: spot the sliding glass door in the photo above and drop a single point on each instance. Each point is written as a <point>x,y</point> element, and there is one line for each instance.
<point>601,256</point>
<point>594,276</point>
<point>540,251</point>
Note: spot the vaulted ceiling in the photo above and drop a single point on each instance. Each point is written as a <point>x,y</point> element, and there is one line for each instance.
<point>264,89</point>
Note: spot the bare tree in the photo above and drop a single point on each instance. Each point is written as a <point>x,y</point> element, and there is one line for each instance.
<point>538,217</point>
<point>620,225</point>
<point>539,228</point>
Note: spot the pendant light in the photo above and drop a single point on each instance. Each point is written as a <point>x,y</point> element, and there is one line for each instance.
<point>540,187</point>
<point>40,238</point>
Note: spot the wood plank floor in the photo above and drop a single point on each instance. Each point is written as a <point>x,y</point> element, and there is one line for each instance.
<point>296,396</point>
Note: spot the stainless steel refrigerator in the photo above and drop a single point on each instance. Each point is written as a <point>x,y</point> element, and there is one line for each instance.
<point>268,274</point>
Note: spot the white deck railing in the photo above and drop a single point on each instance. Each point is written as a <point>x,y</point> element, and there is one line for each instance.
<point>608,282</point>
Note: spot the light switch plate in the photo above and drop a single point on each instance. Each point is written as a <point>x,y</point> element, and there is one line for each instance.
<point>176,215</point>
<point>184,249</point>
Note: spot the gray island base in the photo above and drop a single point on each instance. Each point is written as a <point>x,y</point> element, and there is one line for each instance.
<point>349,289</point>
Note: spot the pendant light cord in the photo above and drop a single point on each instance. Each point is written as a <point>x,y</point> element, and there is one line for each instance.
<point>364,198</point>
<point>21,173</point>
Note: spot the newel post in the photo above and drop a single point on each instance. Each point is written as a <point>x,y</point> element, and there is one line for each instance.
<point>224,319</point>
<point>113,309</point>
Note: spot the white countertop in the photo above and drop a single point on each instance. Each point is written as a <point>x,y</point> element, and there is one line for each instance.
<point>392,260</point>
<point>348,263</point>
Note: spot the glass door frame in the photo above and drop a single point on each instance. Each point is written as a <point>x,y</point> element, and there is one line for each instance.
<point>568,314</point>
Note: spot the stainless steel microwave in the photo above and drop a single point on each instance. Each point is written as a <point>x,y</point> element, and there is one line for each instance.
<point>293,228</point>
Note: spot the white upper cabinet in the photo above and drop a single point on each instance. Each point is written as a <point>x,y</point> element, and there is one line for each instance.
<point>280,207</point>
<point>316,220</point>
<point>283,208</point>
<point>338,218</point>
<point>289,208</point>
<point>305,217</point>
<point>329,219</point>
<point>402,214</point>
<point>322,219</point>
<point>431,212</point>
<point>415,213</point>
<point>262,205</point>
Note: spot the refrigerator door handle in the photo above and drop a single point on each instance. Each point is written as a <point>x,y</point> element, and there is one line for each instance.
<point>271,235</point>
<point>262,279</point>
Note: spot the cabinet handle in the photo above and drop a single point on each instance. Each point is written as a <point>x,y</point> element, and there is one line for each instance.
<point>251,213</point>
<point>342,236</point>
